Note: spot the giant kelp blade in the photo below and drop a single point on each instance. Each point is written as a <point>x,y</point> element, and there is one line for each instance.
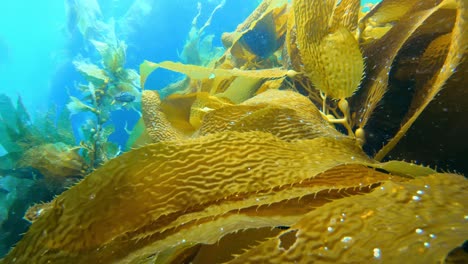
<point>346,14</point>
<point>285,114</point>
<point>331,55</point>
<point>200,72</point>
<point>267,22</point>
<point>381,54</point>
<point>144,194</point>
<point>440,123</point>
<point>388,11</point>
<point>457,50</point>
<point>158,127</point>
<point>396,221</point>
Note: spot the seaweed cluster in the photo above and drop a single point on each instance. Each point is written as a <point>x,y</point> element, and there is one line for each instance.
<point>38,160</point>
<point>110,87</point>
<point>271,154</point>
<point>44,147</point>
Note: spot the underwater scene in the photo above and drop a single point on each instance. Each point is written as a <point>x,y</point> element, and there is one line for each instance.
<point>234,131</point>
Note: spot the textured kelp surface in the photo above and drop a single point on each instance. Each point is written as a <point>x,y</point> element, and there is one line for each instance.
<point>243,162</point>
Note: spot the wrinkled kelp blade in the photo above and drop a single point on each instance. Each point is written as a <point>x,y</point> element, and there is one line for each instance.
<point>420,221</point>
<point>456,51</point>
<point>153,186</point>
<point>330,53</point>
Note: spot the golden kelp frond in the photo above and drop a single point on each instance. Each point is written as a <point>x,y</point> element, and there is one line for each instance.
<point>156,123</point>
<point>381,54</point>
<point>330,53</point>
<point>200,72</point>
<point>133,200</point>
<point>403,169</point>
<point>291,57</point>
<point>285,114</point>
<point>388,11</point>
<point>185,112</point>
<point>241,89</point>
<point>265,8</point>
<point>455,46</point>
<point>243,48</point>
<point>55,161</point>
<point>409,219</point>
<point>346,15</point>
<point>218,80</point>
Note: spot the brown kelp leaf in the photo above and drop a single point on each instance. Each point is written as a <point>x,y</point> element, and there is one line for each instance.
<point>185,112</point>
<point>456,51</point>
<point>228,38</point>
<point>200,72</point>
<point>441,123</point>
<point>55,161</point>
<point>403,169</point>
<point>285,114</point>
<point>146,189</point>
<point>419,221</point>
<point>282,206</point>
<point>204,104</point>
<point>346,15</point>
<point>157,126</point>
<point>291,57</point>
<point>388,11</point>
<point>330,53</point>
<point>234,84</point>
<point>241,89</point>
<point>381,54</point>
<point>267,22</point>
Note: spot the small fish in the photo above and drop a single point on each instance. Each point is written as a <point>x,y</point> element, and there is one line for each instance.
<point>124,97</point>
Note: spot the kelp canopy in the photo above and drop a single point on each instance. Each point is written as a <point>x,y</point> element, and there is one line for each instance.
<point>260,157</point>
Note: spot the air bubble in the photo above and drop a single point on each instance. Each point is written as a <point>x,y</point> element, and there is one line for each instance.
<point>330,229</point>
<point>377,253</point>
<point>420,192</point>
<point>346,239</point>
<point>416,198</point>
<point>419,231</point>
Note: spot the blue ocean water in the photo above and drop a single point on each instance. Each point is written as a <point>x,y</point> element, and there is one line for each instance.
<point>40,40</point>
<point>38,43</point>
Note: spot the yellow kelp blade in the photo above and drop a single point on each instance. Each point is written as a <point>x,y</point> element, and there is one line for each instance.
<point>381,54</point>
<point>457,50</point>
<point>280,207</point>
<point>346,14</point>
<point>419,221</point>
<point>156,123</point>
<point>267,21</point>
<point>285,114</point>
<point>330,53</point>
<point>148,192</point>
<point>200,72</point>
